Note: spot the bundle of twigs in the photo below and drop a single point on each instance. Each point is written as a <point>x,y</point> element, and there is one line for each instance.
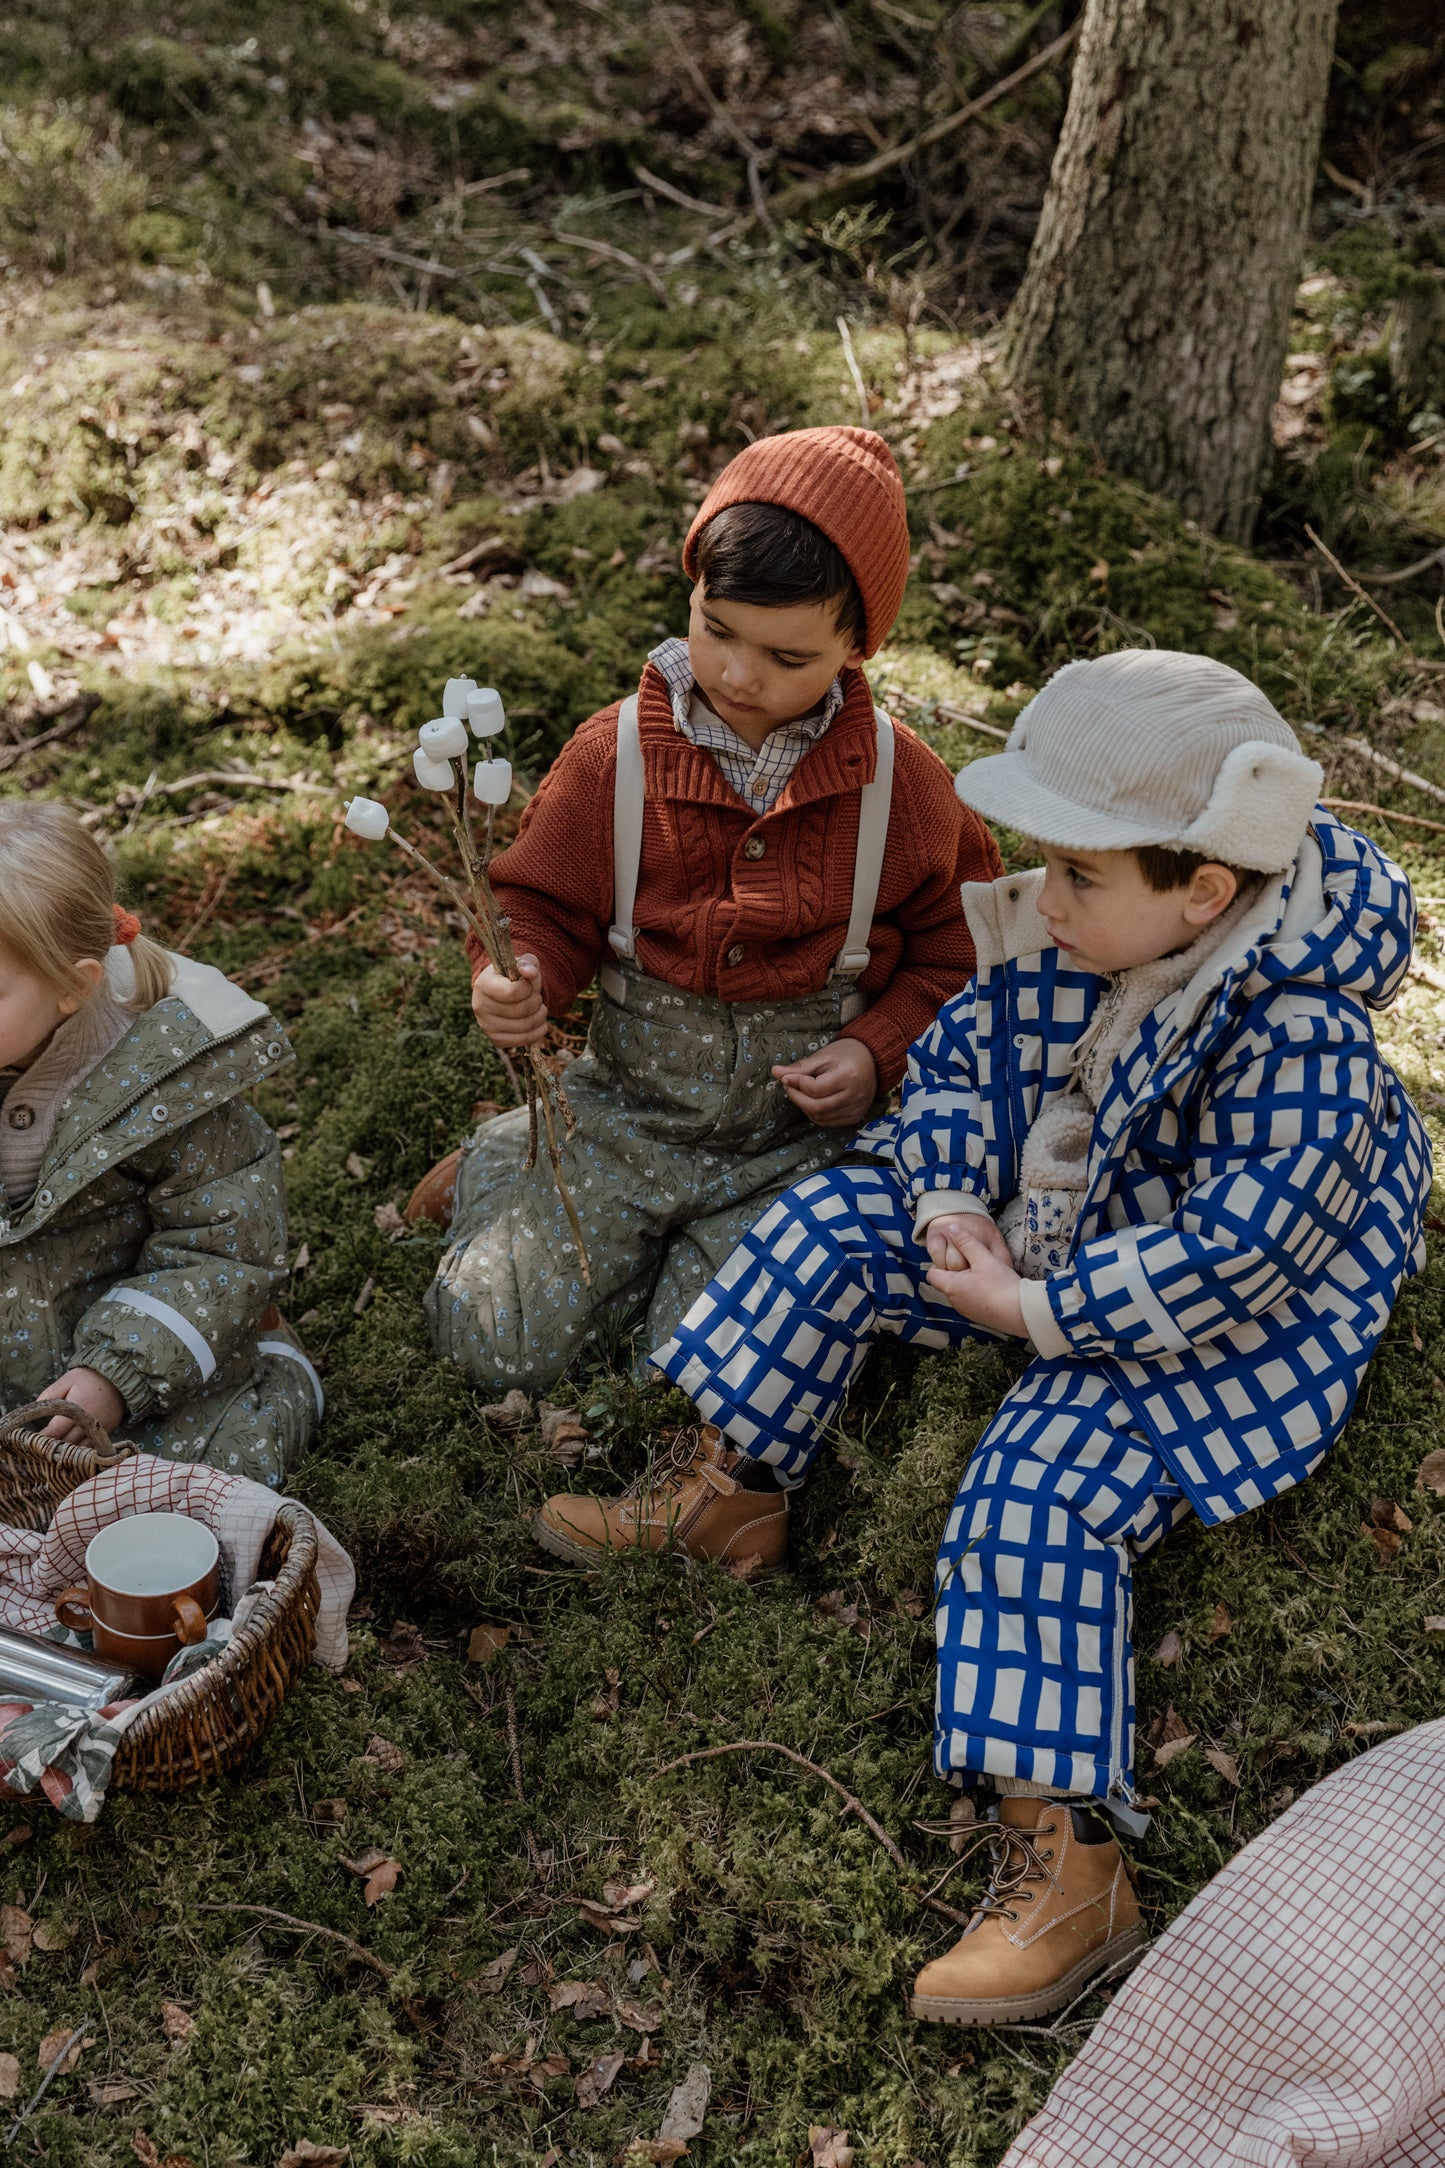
<point>441,763</point>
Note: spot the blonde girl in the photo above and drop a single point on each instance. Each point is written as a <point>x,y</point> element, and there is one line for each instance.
<point>142,1214</point>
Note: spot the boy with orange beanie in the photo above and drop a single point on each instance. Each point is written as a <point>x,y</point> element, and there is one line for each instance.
<point>763,873</point>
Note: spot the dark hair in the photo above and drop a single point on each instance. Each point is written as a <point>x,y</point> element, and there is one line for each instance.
<point>1164,869</point>
<point>764,554</point>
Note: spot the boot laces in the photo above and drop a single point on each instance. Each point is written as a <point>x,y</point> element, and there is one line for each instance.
<point>668,1470</point>
<point>1015,1860</point>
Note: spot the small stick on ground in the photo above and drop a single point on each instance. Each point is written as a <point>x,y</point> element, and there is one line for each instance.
<point>514,1751</point>
<point>41,2089</point>
<point>308,1927</point>
<point>1389,767</point>
<point>851,1805</point>
<point>1354,586</point>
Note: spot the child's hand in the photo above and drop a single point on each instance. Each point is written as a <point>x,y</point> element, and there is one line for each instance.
<point>834,1087</point>
<point>944,1244</point>
<point>88,1390</point>
<point>986,1291</point>
<point>512,1012</point>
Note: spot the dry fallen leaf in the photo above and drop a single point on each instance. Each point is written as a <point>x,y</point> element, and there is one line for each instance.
<point>1220,1624</point>
<point>20,1834</point>
<point>1384,1541</point>
<point>485,1642</point>
<point>1168,1749</point>
<point>357,1167</point>
<point>390,1223</point>
<point>17,1931</point>
<point>177,2024</point>
<point>307,2154</point>
<point>599,2079</point>
<point>622,1896</point>
<point>403,1645</point>
<point>1430,1475</point>
<point>687,2105</point>
<point>1169,1651</point>
<point>381,1754</point>
<point>493,1977</point>
<point>829,2148</point>
<point>9,2076</point>
<point>746,1569</point>
<point>1384,1513</point>
<point>639,2016</point>
<point>564,1434</point>
<point>378,1870</point>
<point>329,1813</point>
<point>584,1998</point>
<point>53,2043</point>
<point>51,1935</point>
<point>508,1413</point>
<point>1435,1624</point>
<point>1226,1764</point>
<point>145,2149</point>
<point>112,2092</point>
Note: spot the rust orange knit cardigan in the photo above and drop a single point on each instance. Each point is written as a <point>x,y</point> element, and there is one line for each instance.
<point>765,926</point>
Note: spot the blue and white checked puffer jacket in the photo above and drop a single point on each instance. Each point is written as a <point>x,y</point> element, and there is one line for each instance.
<point>1258,1177</point>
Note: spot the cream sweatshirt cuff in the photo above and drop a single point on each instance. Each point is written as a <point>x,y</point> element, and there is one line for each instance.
<point>936,1203</point>
<point>1043,1326</point>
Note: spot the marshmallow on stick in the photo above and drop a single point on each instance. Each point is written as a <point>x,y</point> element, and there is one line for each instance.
<point>440,765</point>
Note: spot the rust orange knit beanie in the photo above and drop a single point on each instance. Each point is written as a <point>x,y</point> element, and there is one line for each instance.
<point>847,483</point>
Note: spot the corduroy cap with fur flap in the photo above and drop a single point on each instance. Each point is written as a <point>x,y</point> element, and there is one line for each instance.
<point>847,483</point>
<point>1147,746</point>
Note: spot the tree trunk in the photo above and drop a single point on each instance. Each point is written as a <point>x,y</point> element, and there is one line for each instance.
<point>1154,314</point>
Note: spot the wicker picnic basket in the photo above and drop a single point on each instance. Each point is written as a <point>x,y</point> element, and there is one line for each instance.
<point>208,1724</point>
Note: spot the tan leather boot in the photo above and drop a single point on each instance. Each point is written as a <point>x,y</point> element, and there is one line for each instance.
<point>435,1194</point>
<point>1059,1909</point>
<point>687,1503</point>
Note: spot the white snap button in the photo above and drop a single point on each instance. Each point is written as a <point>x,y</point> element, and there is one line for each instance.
<point>44,1197</point>
<point>158,1113</point>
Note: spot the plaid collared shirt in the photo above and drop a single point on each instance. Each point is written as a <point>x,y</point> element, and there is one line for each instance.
<point>757,777</point>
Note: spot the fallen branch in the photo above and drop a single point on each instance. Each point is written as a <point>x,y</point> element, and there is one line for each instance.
<point>618,255</point>
<point>1406,572</point>
<point>309,1927</point>
<point>77,711</point>
<point>851,1805</point>
<point>1382,812</point>
<point>494,546</point>
<point>1354,586</point>
<point>41,2089</point>
<point>1426,974</point>
<point>1389,767</point>
<point>806,193</point>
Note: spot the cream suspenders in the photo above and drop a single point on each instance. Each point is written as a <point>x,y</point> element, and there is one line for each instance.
<point>627,802</point>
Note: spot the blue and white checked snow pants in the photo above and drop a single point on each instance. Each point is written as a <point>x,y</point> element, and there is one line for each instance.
<point>1062,1493</point>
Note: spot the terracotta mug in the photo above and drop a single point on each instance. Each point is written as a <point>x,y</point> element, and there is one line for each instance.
<point>152,1582</point>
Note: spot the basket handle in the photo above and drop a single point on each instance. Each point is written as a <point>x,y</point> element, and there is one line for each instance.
<point>106,1450</point>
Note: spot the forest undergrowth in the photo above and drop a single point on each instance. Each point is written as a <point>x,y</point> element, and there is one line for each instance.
<point>262,490</point>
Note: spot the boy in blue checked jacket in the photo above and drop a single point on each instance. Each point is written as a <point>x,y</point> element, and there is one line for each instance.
<point>1154,1138</point>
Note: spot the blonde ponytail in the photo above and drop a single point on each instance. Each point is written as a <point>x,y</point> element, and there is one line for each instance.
<point>57,904</point>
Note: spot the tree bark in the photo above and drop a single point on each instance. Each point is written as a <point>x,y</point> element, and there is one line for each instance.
<point>1154,314</point>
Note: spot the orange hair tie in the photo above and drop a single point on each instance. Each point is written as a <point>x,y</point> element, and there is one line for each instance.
<point>127,926</point>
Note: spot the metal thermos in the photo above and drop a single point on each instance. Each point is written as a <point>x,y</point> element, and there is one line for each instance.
<point>36,1670</point>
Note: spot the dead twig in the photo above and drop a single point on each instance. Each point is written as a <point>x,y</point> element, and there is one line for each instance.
<point>618,255</point>
<point>1354,586</point>
<point>308,1927</point>
<point>1406,572</point>
<point>77,711</point>
<point>493,547</point>
<point>805,194</point>
<point>855,372</point>
<point>851,1805</point>
<point>660,187</point>
<point>1382,812</point>
<point>1426,974</point>
<point>1389,767</point>
<point>41,2089</point>
<point>514,1755</point>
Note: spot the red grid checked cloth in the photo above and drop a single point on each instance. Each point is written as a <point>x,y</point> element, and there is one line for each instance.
<point>35,1568</point>
<point>1294,2014</point>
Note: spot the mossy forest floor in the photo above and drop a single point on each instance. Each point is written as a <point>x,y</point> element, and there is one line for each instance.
<point>240,454</point>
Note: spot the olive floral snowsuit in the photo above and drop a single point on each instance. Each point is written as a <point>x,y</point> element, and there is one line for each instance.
<point>155,1237</point>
